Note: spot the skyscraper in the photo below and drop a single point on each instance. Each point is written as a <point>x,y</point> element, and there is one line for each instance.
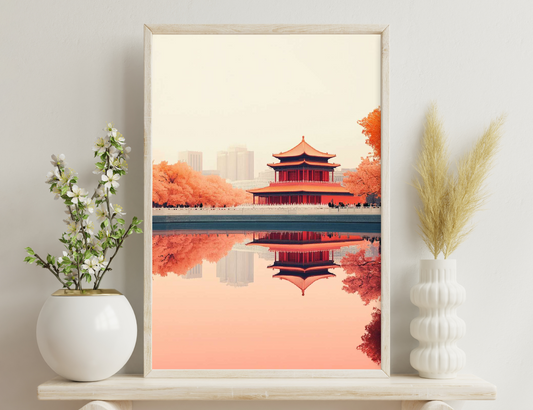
<point>236,164</point>
<point>194,159</point>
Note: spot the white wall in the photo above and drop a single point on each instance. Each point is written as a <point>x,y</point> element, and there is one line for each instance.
<point>67,67</point>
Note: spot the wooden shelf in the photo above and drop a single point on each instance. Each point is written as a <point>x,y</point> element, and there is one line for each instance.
<point>397,387</point>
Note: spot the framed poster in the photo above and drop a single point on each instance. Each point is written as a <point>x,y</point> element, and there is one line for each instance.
<point>266,201</point>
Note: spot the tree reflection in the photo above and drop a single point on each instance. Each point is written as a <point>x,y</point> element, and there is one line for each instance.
<point>371,345</point>
<point>366,279</point>
<point>178,253</point>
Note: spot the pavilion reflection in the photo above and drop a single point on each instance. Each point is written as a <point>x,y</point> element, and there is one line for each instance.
<point>304,258</point>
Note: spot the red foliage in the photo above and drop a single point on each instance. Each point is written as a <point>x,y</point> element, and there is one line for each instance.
<point>180,252</point>
<point>366,180</point>
<point>371,345</point>
<point>372,130</point>
<point>178,184</point>
<point>366,279</point>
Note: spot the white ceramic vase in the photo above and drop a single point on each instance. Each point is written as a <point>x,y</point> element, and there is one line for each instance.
<point>437,327</point>
<point>86,337</point>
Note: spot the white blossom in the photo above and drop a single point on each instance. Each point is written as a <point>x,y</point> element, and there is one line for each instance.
<point>58,161</point>
<point>66,176</point>
<point>114,152</point>
<point>100,194</point>
<point>110,179</point>
<point>120,139</point>
<point>72,227</point>
<point>52,176</point>
<point>56,191</point>
<point>120,163</point>
<point>126,151</point>
<point>101,260</point>
<point>101,214</point>
<point>101,145</point>
<point>111,132</point>
<point>77,194</point>
<point>95,243</point>
<point>91,265</point>
<point>117,209</point>
<point>90,205</point>
<point>89,228</point>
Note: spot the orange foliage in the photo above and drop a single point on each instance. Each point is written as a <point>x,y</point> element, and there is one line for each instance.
<point>180,252</point>
<point>372,130</point>
<point>366,180</point>
<point>178,184</point>
<point>371,345</point>
<point>367,275</point>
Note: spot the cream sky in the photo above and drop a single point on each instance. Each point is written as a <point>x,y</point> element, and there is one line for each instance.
<point>265,92</point>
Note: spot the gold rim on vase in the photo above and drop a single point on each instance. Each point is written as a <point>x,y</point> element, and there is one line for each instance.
<point>86,292</point>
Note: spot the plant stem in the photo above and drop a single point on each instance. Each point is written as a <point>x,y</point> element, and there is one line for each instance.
<point>52,269</point>
<point>96,284</point>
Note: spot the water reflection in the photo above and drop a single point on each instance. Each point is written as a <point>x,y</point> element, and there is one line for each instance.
<point>304,262</point>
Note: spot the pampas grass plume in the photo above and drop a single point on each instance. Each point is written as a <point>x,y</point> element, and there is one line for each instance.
<point>449,200</point>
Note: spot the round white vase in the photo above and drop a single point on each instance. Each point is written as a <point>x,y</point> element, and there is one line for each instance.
<point>86,336</point>
<point>437,327</point>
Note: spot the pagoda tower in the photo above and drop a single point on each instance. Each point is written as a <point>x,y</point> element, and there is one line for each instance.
<point>303,257</point>
<point>303,175</point>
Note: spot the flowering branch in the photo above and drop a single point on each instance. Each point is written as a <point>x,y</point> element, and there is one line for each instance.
<point>85,254</point>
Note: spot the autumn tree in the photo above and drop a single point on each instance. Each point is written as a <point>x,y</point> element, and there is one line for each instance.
<point>371,345</point>
<point>366,180</point>
<point>372,130</point>
<point>178,253</point>
<point>178,184</point>
<point>364,275</point>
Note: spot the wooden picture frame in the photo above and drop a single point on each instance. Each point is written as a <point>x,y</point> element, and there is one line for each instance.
<point>250,30</point>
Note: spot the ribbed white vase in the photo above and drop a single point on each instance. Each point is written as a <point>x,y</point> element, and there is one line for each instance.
<point>437,327</point>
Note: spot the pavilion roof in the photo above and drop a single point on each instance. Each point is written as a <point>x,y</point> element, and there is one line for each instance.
<point>302,162</point>
<point>301,149</point>
<point>303,281</point>
<point>303,188</point>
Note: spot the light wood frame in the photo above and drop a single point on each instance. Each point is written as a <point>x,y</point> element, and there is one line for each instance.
<point>171,29</point>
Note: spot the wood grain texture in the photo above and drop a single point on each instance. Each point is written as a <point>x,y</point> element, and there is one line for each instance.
<point>108,405</point>
<point>385,205</point>
<point>171,29</point>
<point>397,387</point>
<point>147,201</point>
<point>383,30</point>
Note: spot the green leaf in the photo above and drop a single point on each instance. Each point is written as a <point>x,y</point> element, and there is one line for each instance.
<point>88,278</point>
<point>39,263</point>
<point>30,251</point>
<point>100,165</point>
<point>121,221</point>
<point>69,283</point>
<point>137,229</point>
<point>130,231</point>
<point>29,259</point>
<point>112,190</point>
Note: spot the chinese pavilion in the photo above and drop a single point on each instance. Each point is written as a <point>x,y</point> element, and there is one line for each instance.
<point>303,257</point>
<point>304,175</point>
